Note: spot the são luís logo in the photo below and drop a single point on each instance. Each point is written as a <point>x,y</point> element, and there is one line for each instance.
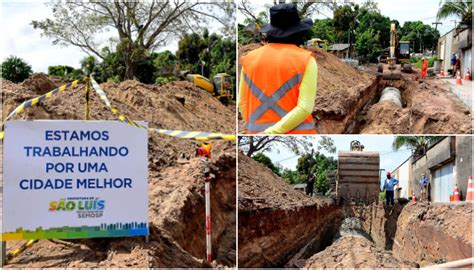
<point>85,207</point>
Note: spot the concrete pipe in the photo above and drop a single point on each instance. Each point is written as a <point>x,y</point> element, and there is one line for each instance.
<point>393,95</point>
<point>464,263</point>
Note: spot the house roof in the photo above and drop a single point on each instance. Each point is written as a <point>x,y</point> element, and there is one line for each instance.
<point>339,46</point>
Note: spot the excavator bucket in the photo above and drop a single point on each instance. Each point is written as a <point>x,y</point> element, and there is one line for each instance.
<point>391,72</point>
<point>358,176</point>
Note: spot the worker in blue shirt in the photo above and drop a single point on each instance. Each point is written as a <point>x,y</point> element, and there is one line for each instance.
<point>424,186</point>
<point>389,187</point>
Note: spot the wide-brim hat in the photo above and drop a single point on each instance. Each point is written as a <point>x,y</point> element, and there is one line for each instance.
<point>285,21</point>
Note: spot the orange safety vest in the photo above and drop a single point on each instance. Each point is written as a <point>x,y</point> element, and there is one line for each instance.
<point>272,76</point>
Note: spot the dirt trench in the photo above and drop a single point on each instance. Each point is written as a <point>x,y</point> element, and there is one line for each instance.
<point>175,186</point>
<point>347,101</point>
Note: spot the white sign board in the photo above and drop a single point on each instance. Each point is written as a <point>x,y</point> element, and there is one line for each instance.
<point>74,179</point>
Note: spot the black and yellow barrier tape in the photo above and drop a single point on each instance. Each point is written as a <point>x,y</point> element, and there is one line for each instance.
<point>32,102</point>
<point>12,254</point>
<point>196,135</point>
<point>184,134</point>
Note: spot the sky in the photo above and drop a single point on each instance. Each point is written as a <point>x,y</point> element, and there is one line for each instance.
<point>401,10</point>
<point>389,159</point>
<point>20,39</point>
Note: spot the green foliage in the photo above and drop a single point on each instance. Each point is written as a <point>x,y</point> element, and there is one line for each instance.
<point>112,67</point>
<point>382,196</point>
<point>15,69</point>
<point>66,72</point>
<point>89,65</point>
<point>418,144</point>
<point>324,29</point>
<point>291,176</point>
<point>367,46</point>
<point>421,36</point>
<point>165,63</point>
<point>318,165</point>
<point>345,21</point>
<point>140,26</point>
<point>460,9</point>
<point>190,47</point>
<point>263,159</point>
<point>165,80</point>
<point>417,60</point>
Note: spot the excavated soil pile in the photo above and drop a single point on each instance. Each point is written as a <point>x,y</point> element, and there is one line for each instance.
<point>279,226</point>
<point>430,107</point>
<point>419,232</point>
<point>355,252</point>
<point>176,190</point>
<point>342,91</point>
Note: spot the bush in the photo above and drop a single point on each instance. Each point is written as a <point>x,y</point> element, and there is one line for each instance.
<point>382,196</point>
<point>15,69</point>
<point>263,159</point>
<point>164,80</point>
<point>417,61</point>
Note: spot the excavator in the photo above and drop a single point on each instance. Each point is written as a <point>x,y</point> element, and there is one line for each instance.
<point>394,59</point>
<point>220,87</point>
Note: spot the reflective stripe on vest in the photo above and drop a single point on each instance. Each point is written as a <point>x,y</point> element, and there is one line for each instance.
<point>271,103</point>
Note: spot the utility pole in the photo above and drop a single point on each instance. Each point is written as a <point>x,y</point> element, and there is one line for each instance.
<point>435,43</point>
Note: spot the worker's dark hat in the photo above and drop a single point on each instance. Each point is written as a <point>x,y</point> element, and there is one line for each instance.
<point>285,21</point>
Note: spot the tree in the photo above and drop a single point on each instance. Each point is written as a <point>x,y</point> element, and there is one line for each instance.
<point>253,144</point>
<point>345,19</point>
<point>112,68</point>
<point>462,9</point>
<point>316,164</point>
<point>66,72</point>
<point>15,69</point>
<point>263,159</point>
<point>418,144</point>
<point>141,26</point>
<point>419,34</point>
<point>324,29</point>
<point>367,45</point>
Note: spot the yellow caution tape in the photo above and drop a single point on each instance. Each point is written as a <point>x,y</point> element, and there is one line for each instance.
<point>32,102</point>
<point>184,134</point>
<point>12,254</point>
<point>196,135</point>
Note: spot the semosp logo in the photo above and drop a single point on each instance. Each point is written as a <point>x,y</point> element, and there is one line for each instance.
<point>85,207</point>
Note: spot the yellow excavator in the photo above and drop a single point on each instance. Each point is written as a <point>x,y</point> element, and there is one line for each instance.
<point>394,59</point>
<point>221,86</point>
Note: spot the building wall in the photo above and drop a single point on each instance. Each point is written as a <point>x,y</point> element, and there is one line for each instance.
<point>455,149</point>
<point>448,51</point>
<point>463,170</point>
<point>402,174</point>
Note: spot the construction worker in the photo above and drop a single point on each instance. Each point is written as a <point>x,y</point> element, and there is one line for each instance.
<point>424,186</point>
<point>424,67</point>
<point>278,81</point>
<point>389,187</point>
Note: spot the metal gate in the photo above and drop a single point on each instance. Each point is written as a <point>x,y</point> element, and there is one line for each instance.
<point>443,183</point>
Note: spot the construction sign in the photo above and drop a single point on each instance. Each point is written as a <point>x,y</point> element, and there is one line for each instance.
<point>74,179</point>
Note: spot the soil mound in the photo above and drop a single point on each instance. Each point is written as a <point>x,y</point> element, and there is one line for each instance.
<point>39,83</point>
<point>259,187</point>
<point>356,252</point>
<point>175,189</point>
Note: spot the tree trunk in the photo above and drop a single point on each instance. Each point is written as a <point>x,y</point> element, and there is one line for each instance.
<point>130,69</point>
